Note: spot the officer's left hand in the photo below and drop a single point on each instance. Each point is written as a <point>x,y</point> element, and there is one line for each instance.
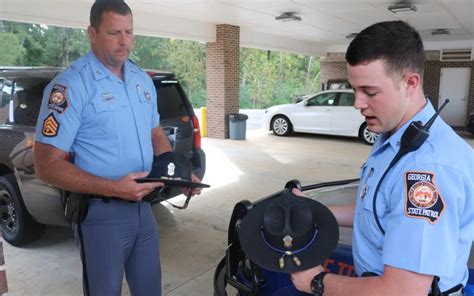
<point>196,190</point>
<point>302,279</point>
<point>297,192</point>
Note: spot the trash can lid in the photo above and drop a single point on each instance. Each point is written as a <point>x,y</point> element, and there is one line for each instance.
<point>238,116</point>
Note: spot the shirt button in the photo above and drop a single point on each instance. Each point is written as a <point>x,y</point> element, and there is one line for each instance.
<point>371,172</point>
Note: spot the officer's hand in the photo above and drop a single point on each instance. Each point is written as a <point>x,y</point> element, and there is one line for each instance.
<point>196,190</point>
<point>127,188</point>
<point>302,279</point>
<point>297,192</point>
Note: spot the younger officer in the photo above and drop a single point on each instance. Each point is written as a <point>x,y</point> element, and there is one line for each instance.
<point>419,224</point>
<point>103,109</point>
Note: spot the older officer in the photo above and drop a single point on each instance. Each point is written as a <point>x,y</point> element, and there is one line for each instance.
<point>104,110</point>
<point>416,223</point>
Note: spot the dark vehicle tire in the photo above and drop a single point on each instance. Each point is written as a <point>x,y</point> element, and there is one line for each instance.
<point>366,135</point>
<point>281,126</point>
<point>220,281</point>
<point>18,227</point>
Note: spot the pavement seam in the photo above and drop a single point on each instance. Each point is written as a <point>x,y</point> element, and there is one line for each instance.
<point>190,280</point>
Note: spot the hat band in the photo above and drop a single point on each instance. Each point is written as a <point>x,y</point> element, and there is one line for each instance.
<point>284,251</point>
<point>296,260</point>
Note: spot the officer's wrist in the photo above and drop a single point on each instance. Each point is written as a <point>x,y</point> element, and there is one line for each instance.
<point>317,285</point>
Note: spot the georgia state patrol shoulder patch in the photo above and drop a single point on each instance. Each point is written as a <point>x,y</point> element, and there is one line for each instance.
<point>50,126</point>
<point>57,98</point>
<point>423,199</point>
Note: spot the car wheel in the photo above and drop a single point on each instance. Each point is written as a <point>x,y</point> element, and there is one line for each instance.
<point>281,126</point>
<point>18,227</point>
<point>366,135</point>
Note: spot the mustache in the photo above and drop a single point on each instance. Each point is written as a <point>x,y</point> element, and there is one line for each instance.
<point>123,49</point>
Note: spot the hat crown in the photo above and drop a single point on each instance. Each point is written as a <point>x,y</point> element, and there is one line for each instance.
<point>288,224</point>
<point>297,234</point>
<point>171,166</point>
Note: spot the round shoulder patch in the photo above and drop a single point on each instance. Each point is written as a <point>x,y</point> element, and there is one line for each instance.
<point>423,194</point>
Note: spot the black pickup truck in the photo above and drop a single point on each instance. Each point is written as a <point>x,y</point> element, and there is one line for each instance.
<point>27,204</point>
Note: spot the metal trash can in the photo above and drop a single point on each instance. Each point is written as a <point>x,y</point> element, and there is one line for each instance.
<point>237,126</point>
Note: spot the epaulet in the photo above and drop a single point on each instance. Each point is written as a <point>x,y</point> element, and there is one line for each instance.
<point>80,63</point>
<point>135,66</point>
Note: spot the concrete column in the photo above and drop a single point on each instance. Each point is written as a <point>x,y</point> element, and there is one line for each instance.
<point>222,79</point>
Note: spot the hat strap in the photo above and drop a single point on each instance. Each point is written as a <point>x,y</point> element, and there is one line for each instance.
<point>296,260</point>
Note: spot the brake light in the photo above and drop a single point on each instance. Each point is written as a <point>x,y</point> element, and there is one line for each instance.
<point>197,133</point>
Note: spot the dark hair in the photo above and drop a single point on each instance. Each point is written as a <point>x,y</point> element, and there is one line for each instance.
<point>101,6</point>
<point>395,42</point>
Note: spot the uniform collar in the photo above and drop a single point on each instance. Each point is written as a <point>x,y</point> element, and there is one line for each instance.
<point>100,71</point>
<point>394,140</point>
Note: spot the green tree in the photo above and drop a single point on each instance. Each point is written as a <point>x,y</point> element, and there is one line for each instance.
<point>150,53</point>
<point>187,60</point>
<point>11,48</point>
<point>259,72</point>
<point>63,45</point>
<point>271,78</point>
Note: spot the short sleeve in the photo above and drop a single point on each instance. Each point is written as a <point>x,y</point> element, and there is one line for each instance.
<point>423,222</point>
<point>59,118</point>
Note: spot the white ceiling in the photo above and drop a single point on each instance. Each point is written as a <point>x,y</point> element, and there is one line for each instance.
<point>323,28</point>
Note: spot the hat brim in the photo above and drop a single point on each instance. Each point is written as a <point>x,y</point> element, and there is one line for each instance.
<point>174,182</point>
<point>256,249</point>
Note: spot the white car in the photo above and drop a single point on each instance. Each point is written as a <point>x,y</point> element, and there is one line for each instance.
<point>328,112</point>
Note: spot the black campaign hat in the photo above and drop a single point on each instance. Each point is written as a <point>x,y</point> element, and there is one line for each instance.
<point>288,233</point>
<point>172,169</point>
<point>170,165</point>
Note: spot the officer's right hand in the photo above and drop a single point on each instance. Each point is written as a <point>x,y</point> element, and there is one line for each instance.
<point>127,188</point>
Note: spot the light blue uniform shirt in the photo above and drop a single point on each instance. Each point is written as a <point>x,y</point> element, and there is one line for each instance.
<point>431,235</point>
<point>105,121</point>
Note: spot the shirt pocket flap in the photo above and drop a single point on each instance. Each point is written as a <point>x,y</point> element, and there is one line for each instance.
<point>107,102</point>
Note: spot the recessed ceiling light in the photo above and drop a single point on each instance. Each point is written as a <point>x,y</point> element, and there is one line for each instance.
<point>441,32</point>
<point>402,7</point>
<point>288,16</point>
<point>351,35</point>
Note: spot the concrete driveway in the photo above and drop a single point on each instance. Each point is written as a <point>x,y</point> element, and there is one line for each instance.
<point>194,240</point>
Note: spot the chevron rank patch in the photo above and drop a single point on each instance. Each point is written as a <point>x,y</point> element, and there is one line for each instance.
<point>50,126</point>
<point>57,98</point>
<point>423,199</point>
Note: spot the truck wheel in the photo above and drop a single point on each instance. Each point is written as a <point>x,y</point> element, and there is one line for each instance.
<point>18,227</point>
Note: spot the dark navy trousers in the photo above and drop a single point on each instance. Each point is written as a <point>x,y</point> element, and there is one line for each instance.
<point>120,237</point>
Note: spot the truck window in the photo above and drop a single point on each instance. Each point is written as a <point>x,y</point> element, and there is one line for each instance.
<point>171,101</point>
<point>27,95</point>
